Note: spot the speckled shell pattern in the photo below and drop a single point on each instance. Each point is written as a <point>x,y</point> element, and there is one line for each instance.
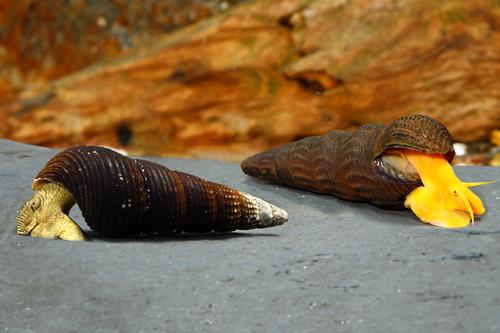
<point>342,163</point>
<point>120,196</point>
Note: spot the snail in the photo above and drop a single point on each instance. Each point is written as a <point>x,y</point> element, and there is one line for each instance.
<point>404,164</point>
<point>124,197</point>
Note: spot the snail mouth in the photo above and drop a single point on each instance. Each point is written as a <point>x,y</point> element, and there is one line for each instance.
<point>395,164</point>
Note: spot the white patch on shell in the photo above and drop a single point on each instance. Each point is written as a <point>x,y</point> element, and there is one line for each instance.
<point>266,214</point>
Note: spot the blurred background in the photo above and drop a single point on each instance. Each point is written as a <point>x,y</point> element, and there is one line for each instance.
<point>226,79</point>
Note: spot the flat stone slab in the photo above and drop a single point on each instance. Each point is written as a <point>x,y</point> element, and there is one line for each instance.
<point>334,267</point>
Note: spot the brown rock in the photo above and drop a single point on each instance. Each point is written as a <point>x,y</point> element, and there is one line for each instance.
<point>43,40</point>
<point>265,73</point>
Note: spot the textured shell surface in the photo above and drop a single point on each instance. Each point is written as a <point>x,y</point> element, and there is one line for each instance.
<point>417,132</point>
<point>348,165</point>
<point>121,196</point>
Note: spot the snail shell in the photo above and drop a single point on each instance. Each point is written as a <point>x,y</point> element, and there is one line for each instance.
<point>120,196</point>
<point>353,165</point>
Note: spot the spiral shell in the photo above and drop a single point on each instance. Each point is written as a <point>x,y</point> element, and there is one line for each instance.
<point>349,165</point>
<point>121,196</point>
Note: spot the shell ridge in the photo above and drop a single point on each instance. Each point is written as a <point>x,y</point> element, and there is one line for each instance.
<point>203,204</point>
<point>181,201</point>
<point>157,210</point>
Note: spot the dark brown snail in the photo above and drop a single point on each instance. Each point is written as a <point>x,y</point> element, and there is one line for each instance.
<point>405,164</point>
<point>356,166</point>
<point>123,197</point>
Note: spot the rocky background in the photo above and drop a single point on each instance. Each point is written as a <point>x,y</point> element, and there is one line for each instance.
<point>225,79</point>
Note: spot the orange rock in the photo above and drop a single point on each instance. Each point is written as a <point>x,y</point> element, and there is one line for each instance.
<point>264,73</point>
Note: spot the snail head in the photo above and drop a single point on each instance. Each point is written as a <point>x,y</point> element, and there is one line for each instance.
<point>410,133</point>
<point>45,214</point>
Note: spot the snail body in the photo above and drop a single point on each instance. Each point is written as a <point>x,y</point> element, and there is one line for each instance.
<point>124,197</point>
<point>355,166</point>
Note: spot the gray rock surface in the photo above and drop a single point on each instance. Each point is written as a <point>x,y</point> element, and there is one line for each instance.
<point>335,266</point>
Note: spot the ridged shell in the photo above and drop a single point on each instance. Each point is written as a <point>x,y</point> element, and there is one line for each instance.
<point>416,132</point>
<point>121,196</point>
<point>343,163</point>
